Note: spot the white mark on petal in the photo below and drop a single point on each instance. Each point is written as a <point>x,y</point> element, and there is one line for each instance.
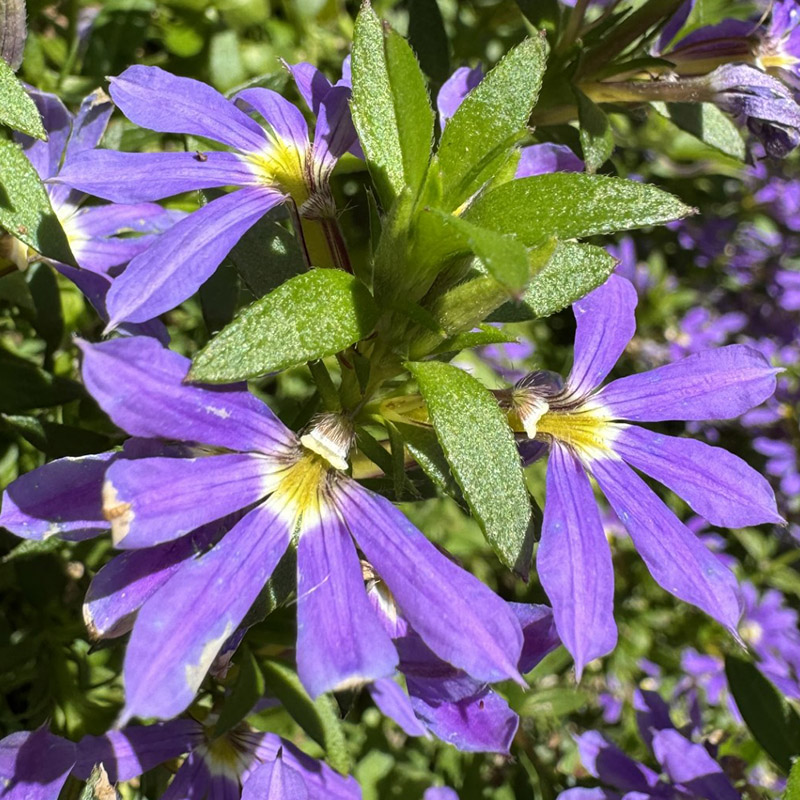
<point>117,512</point>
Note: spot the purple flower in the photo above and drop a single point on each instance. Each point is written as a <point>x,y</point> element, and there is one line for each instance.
<point>240,763</point>
<point>446,701</point>
<point>700,329</point>
<point>93,232</point>
<point>194,594</point>
<point>455,89</point>
<point>761,101</point>
<point>689,770</point>
<point>587,429</point>
<point>269,165</point>
<point>440,793</point>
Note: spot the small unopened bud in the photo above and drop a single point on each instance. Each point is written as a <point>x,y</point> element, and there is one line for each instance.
<point>13,32</point>
<point>330,436</point>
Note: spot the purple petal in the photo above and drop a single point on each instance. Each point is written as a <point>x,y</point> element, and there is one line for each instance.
<point>128,753</point>
<point>472,628</point>
<point>182,626</point>
<point>192,780</point>
<point>674,24</point>
<point>155,99</point>
<point>275,781</point>
<point>605,324</point>
<point>539,633</point>
<point>718,485</point>
<point>62,498</point>
<point>652,714</point>
<point>340,640</point>
<point>135,177</point>
<point>310,82</point>
<point>123,585</point>
<point>186,255</point>
<point>395,703</point>
<point>541,159</point>
<point>139,384</point>
<point>455,89</point>
<point>714,384</point>
<point>89,124</point>
<point>281,115</point>
<point>690,765</point>
<point>46,156</point>
<point>335,133</point>
<point>597,793</point>
<point>116,218</point>
<point>607,762</point>
<point>440,793</point>
<point>574,561</point>
<point>101,256</point>
<point>34,766</point>
<point>676,558</point>
<point>155,500</point>
<point>481,723</point>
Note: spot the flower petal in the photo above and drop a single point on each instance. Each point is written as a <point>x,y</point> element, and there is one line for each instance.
<point>676,558</point>
<point>89,124</point>
<point>282,116</point>
<point>472,628</point>
<point>691,765</point>
<point>123,585</point>
<point>395,704</point>
<point>607,762</point>
<point>57,121</point>
<point>340,640</point>
<point>155,500</point>
<point>128,753</point>
<point>714,384</point>
<point>311,84</point>
<point>62,498</point>
<point>574,561</point>
<point>718,485</point>
<point>455,89</point>
<point>606,323</point>
<point>155,99</point>
<point>139,384</point>
<point>480,723</point>
<point>335,133</point>
<point>181,628</point>
<point>115,218</point>
<point>186,255</point>
<point>35,765</point>
<point>541,159</point>
<point>539,633</point>
<point>275,780</point>
<point>135,177</point>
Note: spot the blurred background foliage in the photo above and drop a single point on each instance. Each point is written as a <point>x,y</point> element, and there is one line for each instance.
<point>48,669</point>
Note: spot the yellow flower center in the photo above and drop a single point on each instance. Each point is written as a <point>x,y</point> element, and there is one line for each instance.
<point>284,167</point>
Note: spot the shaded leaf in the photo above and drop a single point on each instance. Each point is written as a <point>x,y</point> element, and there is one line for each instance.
<point>25,386</point>
<point>429,39</point>
<point>247,690</point>
<point>17,110</point>
<point>707,123</point>
<point>597,138</point>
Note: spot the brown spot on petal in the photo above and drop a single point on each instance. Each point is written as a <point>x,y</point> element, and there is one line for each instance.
<point>117,512</point>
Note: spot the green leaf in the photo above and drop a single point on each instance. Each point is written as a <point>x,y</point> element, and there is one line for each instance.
<point>29,548</point>
<point>247,690</point>
<point>774,725</point>
<point>489,122</point>
<point>571,273</point>
<point>707,123</point>
<point>391,108</point>
<point>423,445</point>
<point>17,110</point>
<point>54,439</point>
<point>267,255</point>
<point>429,39</point>
<point>318,718</point>
<point>482,453</point>
<point>25,210</point>
<point>461,341</point>
<point>310,316</point>
<point>570,205</point>
<point>597,138</point>
<point>505,258</point>
<point>24,386</point>
<point>793,784</point>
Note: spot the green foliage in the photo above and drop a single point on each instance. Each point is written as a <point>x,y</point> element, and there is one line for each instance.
<point>310,316</point>
<point>17,110</point>
<point>597,138</point>
<point>26,386</point>
<point>774,725</point>
<point>479,137</point>
<point>480,449</point>
<point>572,206</point>
<point>391,108</point>
<point>793,784</point>
<point>708,124</point>
<point>25,210</point>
